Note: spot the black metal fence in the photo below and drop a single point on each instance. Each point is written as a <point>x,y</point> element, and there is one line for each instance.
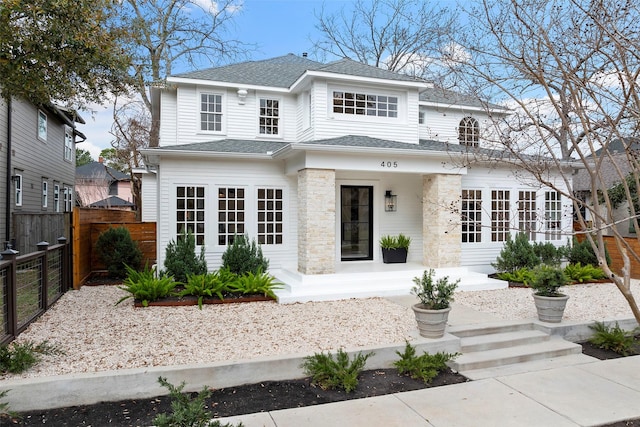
<point>30,284</point>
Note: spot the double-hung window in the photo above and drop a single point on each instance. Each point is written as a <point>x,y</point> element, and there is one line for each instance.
<point>68,144</point>
<point>269,116</point>
<point>17,182</point>
<point>67,199</point>
<point>56,197</point>
<point>45,193</point>
<point>42,125</point>
<point>211,112</point>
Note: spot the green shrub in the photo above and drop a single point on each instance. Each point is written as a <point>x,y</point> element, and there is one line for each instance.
<point>547,280</point>
<point>614,338</point>
<point>582,252</point>
<point>516,254</point>
<point>548,253</point>
<point>584,273</point>
<point>180,259</point>
<point>425,367</point>
<point>19,357</point>
<point>260,283</point>
<point>338,373</point>
<point>145,286</point>
<point>243,256</point>
<point>205,285</point>
<point>434,296</point>
<point>522,275</point>
<point>115,249</point>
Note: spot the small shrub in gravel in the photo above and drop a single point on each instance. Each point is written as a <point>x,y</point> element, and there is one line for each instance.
<point>19,357</point>
<point>180,258</point>
<point>339,373</point>
<point>516,254</point>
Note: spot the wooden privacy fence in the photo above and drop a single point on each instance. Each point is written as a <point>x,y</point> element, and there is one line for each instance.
<point>616,256</point>
<point>90,223</point>
<point>33,228</point>
<point>29,284</point>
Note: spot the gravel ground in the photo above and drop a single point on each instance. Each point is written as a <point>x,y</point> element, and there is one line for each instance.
<point>96,335</point>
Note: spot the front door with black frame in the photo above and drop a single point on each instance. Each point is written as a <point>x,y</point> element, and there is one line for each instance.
<point>356,220</point>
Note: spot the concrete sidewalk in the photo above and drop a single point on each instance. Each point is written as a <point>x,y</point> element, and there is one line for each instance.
<point>590,394</point>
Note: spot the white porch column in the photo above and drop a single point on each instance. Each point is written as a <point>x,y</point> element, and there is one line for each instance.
<point>441,235</point>
<point>316,221</point>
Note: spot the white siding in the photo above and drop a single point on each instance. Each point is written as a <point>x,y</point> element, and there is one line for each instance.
<point>442,124</point>
<point>150,199</point>
<point>211,174</point>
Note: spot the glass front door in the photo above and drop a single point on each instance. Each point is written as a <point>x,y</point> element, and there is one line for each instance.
<point>356,221</point>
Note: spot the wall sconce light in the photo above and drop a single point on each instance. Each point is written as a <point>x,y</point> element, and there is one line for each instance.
<point>390,202</point>
<point>242,96</point>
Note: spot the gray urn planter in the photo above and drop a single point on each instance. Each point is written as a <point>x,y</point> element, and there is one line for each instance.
<point>431,323</point>
<point>550,309</point>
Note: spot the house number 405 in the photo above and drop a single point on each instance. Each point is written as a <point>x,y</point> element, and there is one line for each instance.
<point>389,164</point>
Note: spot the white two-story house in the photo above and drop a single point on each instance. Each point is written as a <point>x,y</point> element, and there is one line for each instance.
<point>318,161</point>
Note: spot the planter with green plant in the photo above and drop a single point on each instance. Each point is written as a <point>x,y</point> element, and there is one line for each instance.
<point>432,312</point>
<point>395,248</point>
<point>550,302</point>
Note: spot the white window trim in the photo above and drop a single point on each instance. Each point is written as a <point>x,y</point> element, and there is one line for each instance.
<point>280,133</point>
<point>42,114</point>
<point>223,114</point>
<point>45,193</point>
<point>56,197</point>
<point>401,111</point>
<point>18,186</point>
<point>68,149</point>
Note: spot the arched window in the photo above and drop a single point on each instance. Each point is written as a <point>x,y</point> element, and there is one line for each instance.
<point>469,131</point>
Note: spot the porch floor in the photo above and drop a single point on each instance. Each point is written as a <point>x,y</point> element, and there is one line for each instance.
<point>370,279</point>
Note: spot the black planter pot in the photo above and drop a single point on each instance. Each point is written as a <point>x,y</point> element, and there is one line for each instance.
<point>394,256</point>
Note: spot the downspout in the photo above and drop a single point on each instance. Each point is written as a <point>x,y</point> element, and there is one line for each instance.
<point>9,174</point>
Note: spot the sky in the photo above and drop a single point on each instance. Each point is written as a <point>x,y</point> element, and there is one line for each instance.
<point>277,27</point>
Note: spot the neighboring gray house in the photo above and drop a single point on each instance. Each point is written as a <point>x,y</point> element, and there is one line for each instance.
<point>37,172</point>
<point>612,168</point>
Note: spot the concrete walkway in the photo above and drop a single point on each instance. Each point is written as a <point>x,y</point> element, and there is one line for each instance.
<point>590,394</point>
<point>587,394</point>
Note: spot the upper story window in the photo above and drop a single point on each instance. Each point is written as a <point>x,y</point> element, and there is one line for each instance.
<point>68,201</point>
<point>269,116</point>
<point>469,131</point>
<point>56,197</point>
<point>421,116</point>
<point>211,112</point>
<point>362,104</point>
<point>42,125</point>
<point>17,182</point>
<point>68,144</point>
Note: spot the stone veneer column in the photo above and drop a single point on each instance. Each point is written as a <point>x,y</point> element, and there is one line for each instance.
<point>316,221</point>
<point>441,234</point>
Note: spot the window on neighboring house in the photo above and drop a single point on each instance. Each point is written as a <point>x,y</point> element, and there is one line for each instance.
<point>231,214</point>
<point>67,199</point>
<point>365,104</point>
<point>552,215</point>
<point>270,216</point>
<point>211,112</point>
<point>68,144</point>
<point>56,197</point>
<point>17,182</point>
<point>527,213</point>
<point>499,215</point>
<point>45,193</point>
<point>421,115</point>
<point>469,131</point>
<point>471,216</point>
<point>190,212</point>
<point>269,116</point>
<point>42,125</point>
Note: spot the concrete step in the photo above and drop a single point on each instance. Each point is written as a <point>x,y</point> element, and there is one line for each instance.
<point>554,347</point>
<point>501,340</point>
<point>532,366</point>
<point>464,331</point>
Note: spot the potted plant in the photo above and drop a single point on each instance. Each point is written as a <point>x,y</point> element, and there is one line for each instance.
<point>550,303</point>
<point>432,312</point>
<point>395,248</point>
